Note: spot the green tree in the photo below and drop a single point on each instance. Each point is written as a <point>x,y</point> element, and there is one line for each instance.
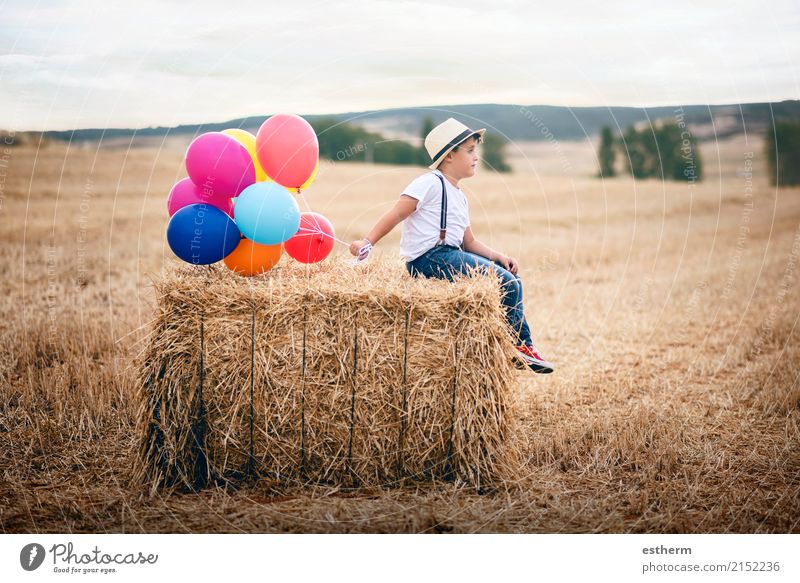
<point>678,154</point>
<point>427,126</point>
<point>345,142</point>
<point>664,151</point>
<point>606,153</point>
<point>395,152</point>
<point>492,153</point>
<point>783,153</point>
<point>341,141</point>
<point>637,154</point>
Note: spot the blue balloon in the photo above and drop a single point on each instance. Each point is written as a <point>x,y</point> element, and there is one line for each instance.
<point>266,213</point>
<point>201,234</point>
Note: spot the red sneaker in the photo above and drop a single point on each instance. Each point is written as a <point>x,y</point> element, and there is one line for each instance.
<point>527,355</point>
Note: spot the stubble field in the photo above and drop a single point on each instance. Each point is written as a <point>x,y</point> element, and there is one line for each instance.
<point>670,311</point>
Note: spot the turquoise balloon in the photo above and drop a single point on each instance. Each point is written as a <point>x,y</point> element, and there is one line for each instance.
<point>266,213</point>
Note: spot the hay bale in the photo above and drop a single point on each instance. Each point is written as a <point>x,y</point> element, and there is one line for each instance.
<point>329,374</point>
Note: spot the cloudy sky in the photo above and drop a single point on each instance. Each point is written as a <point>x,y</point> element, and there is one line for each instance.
<point>83,63</point>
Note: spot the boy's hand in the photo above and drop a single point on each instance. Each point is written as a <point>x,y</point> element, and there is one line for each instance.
<point>355,246</point>
<point>361,249</point>
<point>513,265</point>
<point>509,263</point>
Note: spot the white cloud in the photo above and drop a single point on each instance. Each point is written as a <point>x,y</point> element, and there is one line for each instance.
<point>91,63</point>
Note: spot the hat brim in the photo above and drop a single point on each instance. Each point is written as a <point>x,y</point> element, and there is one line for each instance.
<point>444,154</point>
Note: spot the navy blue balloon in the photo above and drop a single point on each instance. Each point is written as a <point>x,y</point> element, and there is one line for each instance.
<point>201,234</point>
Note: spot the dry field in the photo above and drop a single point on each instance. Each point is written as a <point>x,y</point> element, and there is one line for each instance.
<point>670,311</point>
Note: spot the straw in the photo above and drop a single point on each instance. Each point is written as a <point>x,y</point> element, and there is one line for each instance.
<point>325,374</point>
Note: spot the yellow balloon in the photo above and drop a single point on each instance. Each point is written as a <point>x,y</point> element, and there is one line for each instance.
<point>311,178</point>
<point>306,184</point>
<point>248,140</point>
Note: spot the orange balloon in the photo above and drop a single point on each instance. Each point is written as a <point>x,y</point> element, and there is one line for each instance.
<point>251,258</point>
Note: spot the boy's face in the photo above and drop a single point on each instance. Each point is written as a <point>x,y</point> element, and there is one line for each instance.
<point>464,161</point>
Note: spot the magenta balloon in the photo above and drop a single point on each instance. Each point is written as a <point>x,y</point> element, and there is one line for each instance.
<point>219,165</point>
<point>288,149</point>
<point>186,192</point>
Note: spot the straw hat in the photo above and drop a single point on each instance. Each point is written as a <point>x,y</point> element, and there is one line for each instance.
<point>446,136</point>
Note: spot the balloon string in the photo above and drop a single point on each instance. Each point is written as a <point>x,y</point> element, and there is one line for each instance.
<point>318,230</point>
<point>324,234</point>
<point>303,198</point>
<point>345,243</point>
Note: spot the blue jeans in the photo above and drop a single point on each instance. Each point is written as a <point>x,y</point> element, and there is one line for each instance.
<point>445,261</point>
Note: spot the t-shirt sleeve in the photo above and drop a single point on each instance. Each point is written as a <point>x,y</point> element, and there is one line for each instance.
<point>420,187</point>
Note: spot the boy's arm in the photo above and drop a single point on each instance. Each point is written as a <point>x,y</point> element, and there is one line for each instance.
<point>399,212</point>
<point>472,245</point>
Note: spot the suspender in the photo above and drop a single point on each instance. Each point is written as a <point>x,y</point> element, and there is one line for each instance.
<point>443,216</point>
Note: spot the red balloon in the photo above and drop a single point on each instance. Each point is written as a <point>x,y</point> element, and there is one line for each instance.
<point>313,241</point>
<point>288,149</point>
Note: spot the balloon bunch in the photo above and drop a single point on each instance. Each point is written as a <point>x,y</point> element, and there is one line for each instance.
<point>236,203</point>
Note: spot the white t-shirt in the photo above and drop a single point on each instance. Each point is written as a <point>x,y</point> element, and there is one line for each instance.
<point>421,228</point>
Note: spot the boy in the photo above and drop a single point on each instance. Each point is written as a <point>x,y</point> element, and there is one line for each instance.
<point>437,240</point>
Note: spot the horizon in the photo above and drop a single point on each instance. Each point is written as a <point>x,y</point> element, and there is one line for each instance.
<point>439,107</point>
<point>87,64</point>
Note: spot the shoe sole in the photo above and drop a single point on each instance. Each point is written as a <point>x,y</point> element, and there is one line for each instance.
<point>522,362</point>
<point>540,368</point>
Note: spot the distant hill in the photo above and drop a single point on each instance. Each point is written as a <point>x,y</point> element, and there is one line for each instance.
<point>516,122</point>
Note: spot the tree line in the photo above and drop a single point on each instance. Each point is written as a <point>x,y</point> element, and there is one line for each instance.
<point>783,153</point>
<point>347,142</point>
<point>667,151</point>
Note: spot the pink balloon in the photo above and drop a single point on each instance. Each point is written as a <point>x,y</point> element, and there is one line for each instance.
<point>186,192</point>
<point>288,150</point>
<point>313,241</point>
<point>219,165</point>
